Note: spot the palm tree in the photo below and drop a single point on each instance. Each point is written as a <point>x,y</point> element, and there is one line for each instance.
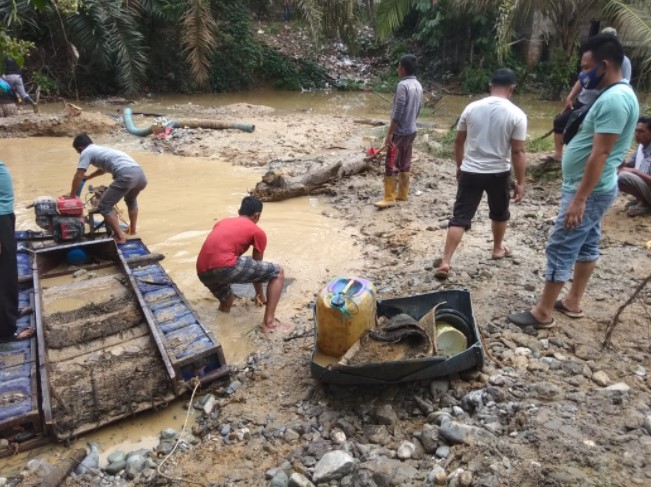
<point>198,38</point>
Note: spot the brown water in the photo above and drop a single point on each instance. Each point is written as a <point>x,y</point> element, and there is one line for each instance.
<point>184,198</point>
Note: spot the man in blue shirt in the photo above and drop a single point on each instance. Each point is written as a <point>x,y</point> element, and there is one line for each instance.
<point>589,167</point>
<point>8,265</point>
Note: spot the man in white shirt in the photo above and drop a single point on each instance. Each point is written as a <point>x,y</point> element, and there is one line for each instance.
<point>490,136</point>
<point>634,176</point>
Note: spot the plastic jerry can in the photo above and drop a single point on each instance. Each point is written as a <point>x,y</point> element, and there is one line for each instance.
<point>345,309</point>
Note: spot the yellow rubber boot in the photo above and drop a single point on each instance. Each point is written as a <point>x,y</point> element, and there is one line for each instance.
<point>389,193</point>
<point>403,186</point>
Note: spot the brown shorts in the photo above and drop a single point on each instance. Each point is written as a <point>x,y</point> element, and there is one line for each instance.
<point>399,154</point>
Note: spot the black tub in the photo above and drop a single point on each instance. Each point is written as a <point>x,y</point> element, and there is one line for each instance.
<point>457,304</point>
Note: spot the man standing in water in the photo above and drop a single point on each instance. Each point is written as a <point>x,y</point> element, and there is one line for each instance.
<point>128,181</point>
<point>490,136</point>
<point>221,262</point>
<point>402,132</point>
<point>589,166</point>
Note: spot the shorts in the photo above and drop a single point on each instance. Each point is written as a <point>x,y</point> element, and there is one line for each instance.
<point>580,244</point>
<point>128,185</point>
<point>245,270</point>
<point>560,121</point>
<point>471,188</point>
<point>399,154</point>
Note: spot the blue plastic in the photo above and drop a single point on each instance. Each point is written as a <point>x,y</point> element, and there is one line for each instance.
<point>76,256</point>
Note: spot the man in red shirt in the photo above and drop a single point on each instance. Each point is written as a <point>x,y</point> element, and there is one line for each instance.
<point>221,262</point>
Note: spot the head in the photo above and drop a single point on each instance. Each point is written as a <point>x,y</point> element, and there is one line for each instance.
<point>502,83</point>
<point>610,30</point>
<point>407,65</point>
<point>643,130</point>
<point>251,208</point>
<point>601,61</point>
<point>81,141</point>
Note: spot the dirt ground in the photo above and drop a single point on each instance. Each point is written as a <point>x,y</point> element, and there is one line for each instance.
<point>596,444</point>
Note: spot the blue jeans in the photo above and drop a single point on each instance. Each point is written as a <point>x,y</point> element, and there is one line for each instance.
<point>580,244</point>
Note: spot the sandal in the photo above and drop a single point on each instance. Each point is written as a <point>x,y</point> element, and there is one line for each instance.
<point>639,210</point>
<point>526,318</point>
<point>507,253</point>
<point>559,306</point>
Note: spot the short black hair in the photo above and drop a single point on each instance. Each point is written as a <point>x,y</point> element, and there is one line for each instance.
<point>604,47</point>
<point>250,206</point>
<point>409,63</point>
<point>646,120</point>
<point>81,141</point>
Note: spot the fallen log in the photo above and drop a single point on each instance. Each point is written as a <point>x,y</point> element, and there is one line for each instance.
<point>376,122</point>
<point>61,471</point>
<point>276,186</point>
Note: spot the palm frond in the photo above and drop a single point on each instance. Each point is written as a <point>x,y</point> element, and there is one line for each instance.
<point>311,12</point>
<point>633,27</point>
<point>390,15</point>
<point>127,45</point>
<point>198,38</point>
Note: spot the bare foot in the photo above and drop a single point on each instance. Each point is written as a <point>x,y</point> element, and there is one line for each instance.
<point>225,306</point>
<point>276,327</point>
<point>25,334</point>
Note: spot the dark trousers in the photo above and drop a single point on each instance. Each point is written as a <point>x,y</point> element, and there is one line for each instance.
<point>8,276</point>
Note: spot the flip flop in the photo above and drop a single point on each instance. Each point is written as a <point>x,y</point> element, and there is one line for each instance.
<point>526,318</point>
<point>638,210</point>
<point>559,306</point>
<point>442,274</point>
<point>507,254</point>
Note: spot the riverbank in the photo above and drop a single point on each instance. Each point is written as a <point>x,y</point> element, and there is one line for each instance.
<point>549,408</point>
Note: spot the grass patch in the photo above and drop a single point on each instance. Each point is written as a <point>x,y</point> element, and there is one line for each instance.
<point>537,145</point>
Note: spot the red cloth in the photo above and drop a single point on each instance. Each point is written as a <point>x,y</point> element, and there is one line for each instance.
<point>230,238</point>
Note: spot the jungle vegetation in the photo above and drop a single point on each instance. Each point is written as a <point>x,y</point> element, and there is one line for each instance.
<point>83,47</point>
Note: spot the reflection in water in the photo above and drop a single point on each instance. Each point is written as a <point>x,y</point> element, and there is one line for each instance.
<point>184,198</point>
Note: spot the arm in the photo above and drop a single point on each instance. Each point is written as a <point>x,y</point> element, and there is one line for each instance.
<point>459,147</point>
<point>399,104</point>
<point>519,166</point>
<point>259,294</point>
<point>574,92</point>
<point>76,182</point>
<point>602,145</point>
<point>392,128</point>
<point>95,173</point>
<point>643,176</point>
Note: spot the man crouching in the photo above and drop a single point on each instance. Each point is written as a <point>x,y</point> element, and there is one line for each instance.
<point>221,262</point>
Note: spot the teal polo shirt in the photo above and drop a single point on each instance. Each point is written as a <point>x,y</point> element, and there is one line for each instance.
<point>6,191</point>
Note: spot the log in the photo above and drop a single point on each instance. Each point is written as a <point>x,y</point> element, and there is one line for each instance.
<point>377,122</point>
<point>276,186</point>
<point>61,471</point>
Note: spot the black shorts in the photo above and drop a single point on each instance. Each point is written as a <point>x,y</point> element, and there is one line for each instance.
<point>471,188</point>
<point>560,121</point>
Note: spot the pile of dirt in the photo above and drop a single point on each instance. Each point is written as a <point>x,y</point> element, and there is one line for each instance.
<point>28,124</point>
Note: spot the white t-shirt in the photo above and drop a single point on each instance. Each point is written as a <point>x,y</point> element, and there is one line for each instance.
<point>490,124</point>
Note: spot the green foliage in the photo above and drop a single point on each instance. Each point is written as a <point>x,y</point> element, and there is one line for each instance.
<point>289,74</point>
<point>47,85</point>
<point>554,76</point>
<point>446,150</point>
<point>539,144</point>
<point>239,55</point>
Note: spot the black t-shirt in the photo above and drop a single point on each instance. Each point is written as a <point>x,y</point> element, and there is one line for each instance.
<point>11,66</point>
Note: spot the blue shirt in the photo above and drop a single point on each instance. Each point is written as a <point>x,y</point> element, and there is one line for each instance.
<point>615,112</point>
<point>6,191</point>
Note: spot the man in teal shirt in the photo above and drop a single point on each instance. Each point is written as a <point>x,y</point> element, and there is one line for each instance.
<point>589,188</point>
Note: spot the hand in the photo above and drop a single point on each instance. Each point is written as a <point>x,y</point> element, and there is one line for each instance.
<point>568,104</point>
<point>260,299</point>
<point>458,176</point>
<point>387,141</point>
<point>518,192</point>
<point>574,214</point>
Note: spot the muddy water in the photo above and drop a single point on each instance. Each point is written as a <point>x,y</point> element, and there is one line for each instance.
<point>184,198</point>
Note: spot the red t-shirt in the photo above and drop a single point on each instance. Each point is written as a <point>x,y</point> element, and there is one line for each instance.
<point>229,239</point>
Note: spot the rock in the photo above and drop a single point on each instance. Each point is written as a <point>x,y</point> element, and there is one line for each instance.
<point>40,467</point>
<point>135,465</point>
<point>388,472</point>
<point>462,433</point>
<point>269,474</point>
<point>438,388</point>
<point>443,451</point>
<point>114,468</point>
<point>299,480</point>
<point>225,429</point>
<point>168,434</point>
<point>406,450</point>
<point>209,405</point>
<point>436,476</point>
<point>291,435</point>
<point>91,462</point>
<point>429,437</point>
<point>233,387</point>
<point>385,415</point>
<point>280,479</point>
<point>338,436</point>
<point>633,419</point>
<point>619,387</point>
<point>346,427</point>
<point>333,466</point>
<point>116,456</point>
<point>546,391</point>
<point>601,378</point>
<point>647,424</point>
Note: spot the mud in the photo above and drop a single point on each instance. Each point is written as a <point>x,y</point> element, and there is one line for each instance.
<point>554,424</point>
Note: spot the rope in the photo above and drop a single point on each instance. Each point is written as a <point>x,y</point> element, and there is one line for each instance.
<point>178,440</point>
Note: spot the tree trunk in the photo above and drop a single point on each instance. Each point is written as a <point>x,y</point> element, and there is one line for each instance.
<point>276,186</point>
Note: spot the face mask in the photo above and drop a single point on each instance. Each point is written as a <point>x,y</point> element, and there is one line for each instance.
<point>590,80</point>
